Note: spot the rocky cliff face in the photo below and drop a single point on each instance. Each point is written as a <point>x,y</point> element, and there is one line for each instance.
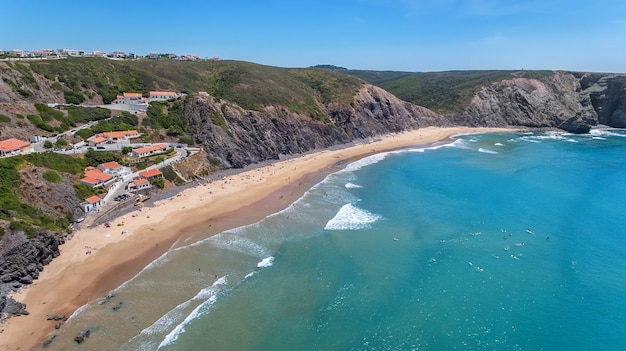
<point>235,138</point>
<point>20,263</point>
<point>558,101</point>
<point>608,97</point>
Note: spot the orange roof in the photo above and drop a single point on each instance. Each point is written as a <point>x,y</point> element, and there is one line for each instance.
<point>135,95</point>
<point>140,181</point>
<point>162,93</point>
<point>12,144</point>
<point>154,147</point>
<point>150,173</point>
<point>98,175</point>
<point>110,165</point>
<point>118,134</point>
<point>93,199</point>
<point>98,140</point>
<point>90,180</point>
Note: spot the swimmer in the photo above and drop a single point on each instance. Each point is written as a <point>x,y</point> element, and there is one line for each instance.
<point>470,263</point>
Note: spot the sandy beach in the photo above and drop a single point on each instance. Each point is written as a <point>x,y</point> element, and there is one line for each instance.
<point>96,260</point>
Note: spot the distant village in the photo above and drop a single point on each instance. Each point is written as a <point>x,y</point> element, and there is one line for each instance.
<point>20,54</point>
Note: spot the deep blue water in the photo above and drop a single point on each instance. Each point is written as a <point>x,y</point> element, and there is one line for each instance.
<point>492,242</point>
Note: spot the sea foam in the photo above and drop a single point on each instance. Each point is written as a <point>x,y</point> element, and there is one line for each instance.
<point>266,262</point>
<point>487,151</point>
<point>352,186</point>
<point>167,320</point>
<point>350,217</point>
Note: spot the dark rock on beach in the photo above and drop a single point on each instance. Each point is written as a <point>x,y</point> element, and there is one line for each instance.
<point>21,260</point>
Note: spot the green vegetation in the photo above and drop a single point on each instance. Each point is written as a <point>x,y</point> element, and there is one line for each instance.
<point>47,144</point>
<point>124,122</point>
<point>39,123</point>
<point>57,162</point>
<point>4,119</point>
<point>158,182</point>
<point>442,92</point>
<point>61,143</point>
<point>248,85</point>
<point>94,158</point>
<point>52,177</point>
<point>80,114</point>
<point>73,97</point>
<point>20,215</point>
<point>27,75</point>
<point>83,191</point>
<point>25,93</point>
<point>48,113</point>
<point>171,175</point>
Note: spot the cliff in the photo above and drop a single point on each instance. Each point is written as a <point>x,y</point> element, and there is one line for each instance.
<point>234,137</point>
<point>557,101</point>
<point>572,101</point>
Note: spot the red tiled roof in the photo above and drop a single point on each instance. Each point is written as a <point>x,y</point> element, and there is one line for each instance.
<point>98,174</point>
<point>140,181</point>
<point>151,173</point>
<point>93,199</point>
<point>168,93</point>
<point>155,147</point>
<point>98,140</point>
<point>110,165</point>
<point>12,144</point>
<point>118,134</point>
<point>134,95</point>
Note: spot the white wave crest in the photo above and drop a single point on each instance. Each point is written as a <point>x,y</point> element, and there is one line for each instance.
<point>266,262</point>
<point>366,161</point>
<point>235,243</point>
<point>180,328</point>
<point>459,144</point>
<point>602,132</point>
<point>350,217</point>
<point>498,144</point>
<point>487,151</point>
<point>209,294</point>
<point>352,186</point>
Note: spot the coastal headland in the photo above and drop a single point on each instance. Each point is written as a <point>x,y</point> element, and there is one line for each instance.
<point>96,260</point>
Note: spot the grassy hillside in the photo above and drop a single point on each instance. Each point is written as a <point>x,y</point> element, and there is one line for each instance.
<point>249,85</point>
<point>443,92</point>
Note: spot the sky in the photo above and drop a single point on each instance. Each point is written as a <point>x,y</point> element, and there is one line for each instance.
<point>397,35</point>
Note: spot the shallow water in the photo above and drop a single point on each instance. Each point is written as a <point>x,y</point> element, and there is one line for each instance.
<point>495,241</point>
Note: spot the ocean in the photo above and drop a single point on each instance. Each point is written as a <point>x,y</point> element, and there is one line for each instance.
<point>513,241</point>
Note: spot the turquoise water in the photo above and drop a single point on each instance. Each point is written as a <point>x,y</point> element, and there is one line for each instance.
<point>492,242</point>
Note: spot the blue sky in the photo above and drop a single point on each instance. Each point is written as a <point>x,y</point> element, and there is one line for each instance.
<point>401,35</point>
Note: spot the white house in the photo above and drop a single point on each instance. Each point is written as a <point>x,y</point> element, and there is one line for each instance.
<point>12,147</point>
<point>162,95</point>
<point>130,99</point>
<point>91,203</point>
<point>139,184</point>
<point>149,150</point>
<point>115,169</point>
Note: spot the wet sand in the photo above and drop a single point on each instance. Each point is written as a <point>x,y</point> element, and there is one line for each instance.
<point>96,260</point>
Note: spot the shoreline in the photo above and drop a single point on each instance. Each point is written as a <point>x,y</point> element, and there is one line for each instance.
<point>97,260</point>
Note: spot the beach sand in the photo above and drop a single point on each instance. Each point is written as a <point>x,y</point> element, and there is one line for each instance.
<point>96,260</point>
